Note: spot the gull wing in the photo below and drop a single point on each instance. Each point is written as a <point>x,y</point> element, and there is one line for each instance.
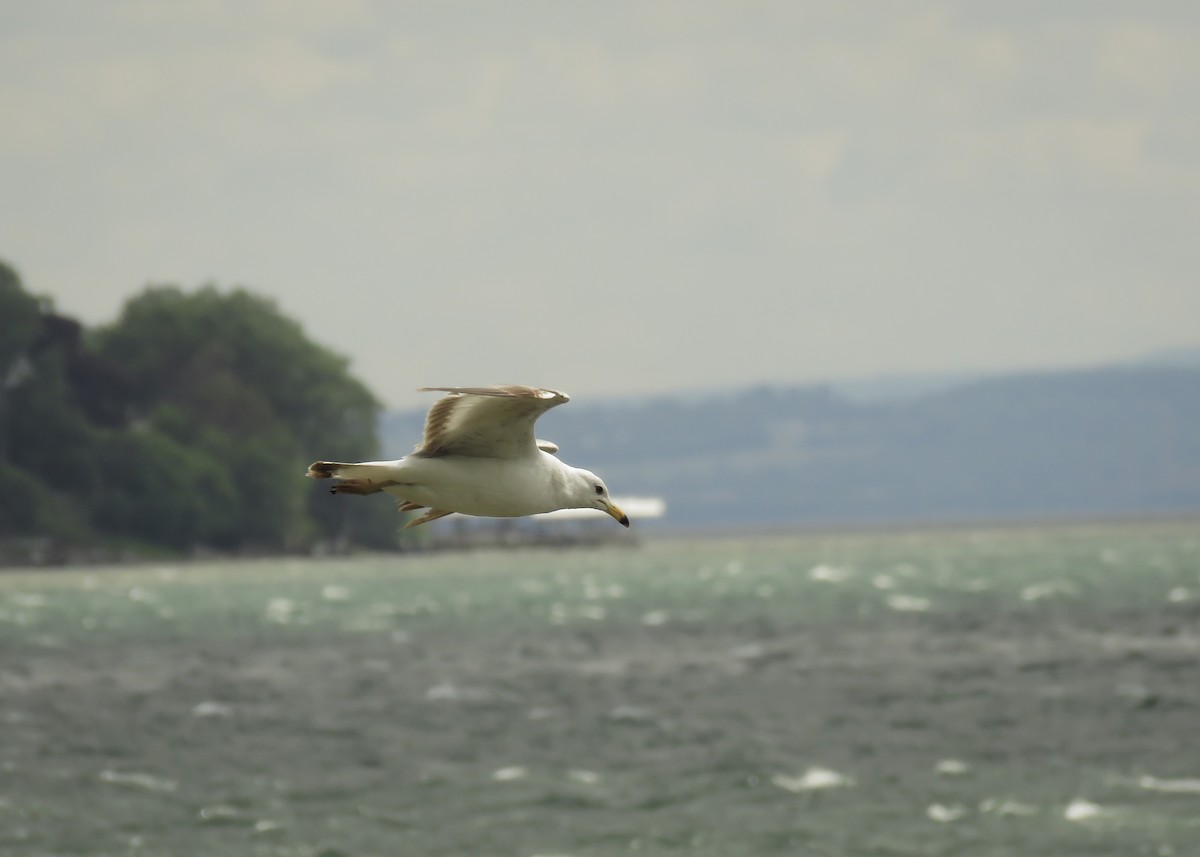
<point>486,422</point>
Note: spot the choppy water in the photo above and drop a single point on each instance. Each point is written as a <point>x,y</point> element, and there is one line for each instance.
<point>999,691</point>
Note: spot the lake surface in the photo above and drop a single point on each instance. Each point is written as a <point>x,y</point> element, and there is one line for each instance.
<point>1007,691</point>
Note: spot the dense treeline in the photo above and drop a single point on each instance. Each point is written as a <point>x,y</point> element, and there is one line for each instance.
<point>186,422</point>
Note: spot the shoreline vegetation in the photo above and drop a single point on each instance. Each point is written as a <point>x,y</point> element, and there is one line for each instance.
<point>187,421</point>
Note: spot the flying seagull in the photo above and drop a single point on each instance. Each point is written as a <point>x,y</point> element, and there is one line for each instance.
<point>479,457</point>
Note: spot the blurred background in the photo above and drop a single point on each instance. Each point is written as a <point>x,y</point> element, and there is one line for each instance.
<point>795,263</point>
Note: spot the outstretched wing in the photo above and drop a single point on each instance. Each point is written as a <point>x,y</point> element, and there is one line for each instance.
<point>486,422</point>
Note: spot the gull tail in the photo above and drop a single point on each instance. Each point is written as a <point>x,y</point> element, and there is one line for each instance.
<point>325,469</point>
<point>368,477</point>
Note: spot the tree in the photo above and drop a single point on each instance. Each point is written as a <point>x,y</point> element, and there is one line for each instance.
<point>228,375</point>
<point>45,441</point>
<point>188,421</point>
<point>153,488</point>
<point>20,322</point>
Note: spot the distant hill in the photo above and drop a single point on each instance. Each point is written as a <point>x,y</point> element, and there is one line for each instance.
<point>1111,441</point>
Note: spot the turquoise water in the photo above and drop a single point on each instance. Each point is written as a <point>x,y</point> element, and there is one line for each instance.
<point>992,691</point>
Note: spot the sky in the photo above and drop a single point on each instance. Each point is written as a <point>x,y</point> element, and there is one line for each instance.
<point>621,198</point>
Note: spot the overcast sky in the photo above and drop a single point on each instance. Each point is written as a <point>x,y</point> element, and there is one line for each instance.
<point>614,197</point>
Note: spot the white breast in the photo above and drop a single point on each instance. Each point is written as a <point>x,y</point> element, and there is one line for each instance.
<point>500,488</point>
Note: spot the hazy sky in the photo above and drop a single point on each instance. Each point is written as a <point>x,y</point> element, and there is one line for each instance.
<point>621,197</point>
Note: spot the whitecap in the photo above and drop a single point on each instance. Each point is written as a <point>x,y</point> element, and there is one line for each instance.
<point>952,767</point>
<point>280,610</point>
<point>1190,785</point>
<point>1178,594</point>
<point>335,593</point>
<point>1081,809</point>
<point>220,814</point>
<point>909,603</point>
<point>211,708</point>
<point>944,814</point>
<point>580,775</point>
<point>135,779</point>
<point>828,573</point>
<point>655,617</point>
<point>814,779</point>
<point>1048,589</point>
<point>1007,807</point>
<point>447,692</point>
<point>141,596</point>
<point>514,772</point>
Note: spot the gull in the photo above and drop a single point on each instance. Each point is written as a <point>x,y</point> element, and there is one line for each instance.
<point>479,456</point>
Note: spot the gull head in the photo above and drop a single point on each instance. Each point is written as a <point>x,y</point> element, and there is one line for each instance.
<point>588,491</point>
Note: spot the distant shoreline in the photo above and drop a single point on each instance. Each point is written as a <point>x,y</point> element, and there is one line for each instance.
<point>31,554</point>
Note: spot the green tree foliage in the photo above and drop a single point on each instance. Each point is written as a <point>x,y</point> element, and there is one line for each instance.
<point>154,488</point>
<point>20,320</point>
<point>235,357</point>
<point>44,440</point>
<point>188,421</point>
<point>248,387</point>
<point>48,434</point>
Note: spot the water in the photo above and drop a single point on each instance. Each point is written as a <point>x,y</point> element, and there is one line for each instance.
<point>993,692</point>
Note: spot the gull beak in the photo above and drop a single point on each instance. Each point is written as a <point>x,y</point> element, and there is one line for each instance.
<point>617,514</point>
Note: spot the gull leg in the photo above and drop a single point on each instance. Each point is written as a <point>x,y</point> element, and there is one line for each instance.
<point>409,507</point>
<point>355,486</point>
<point>431,515</point>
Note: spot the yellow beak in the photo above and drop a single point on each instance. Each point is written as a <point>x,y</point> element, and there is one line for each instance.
<point>616,512</point>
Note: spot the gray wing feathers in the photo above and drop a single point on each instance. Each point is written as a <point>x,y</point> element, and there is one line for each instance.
<point>491,422</point>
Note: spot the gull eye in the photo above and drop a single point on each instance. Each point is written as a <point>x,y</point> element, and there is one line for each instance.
<point>599,489</point>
